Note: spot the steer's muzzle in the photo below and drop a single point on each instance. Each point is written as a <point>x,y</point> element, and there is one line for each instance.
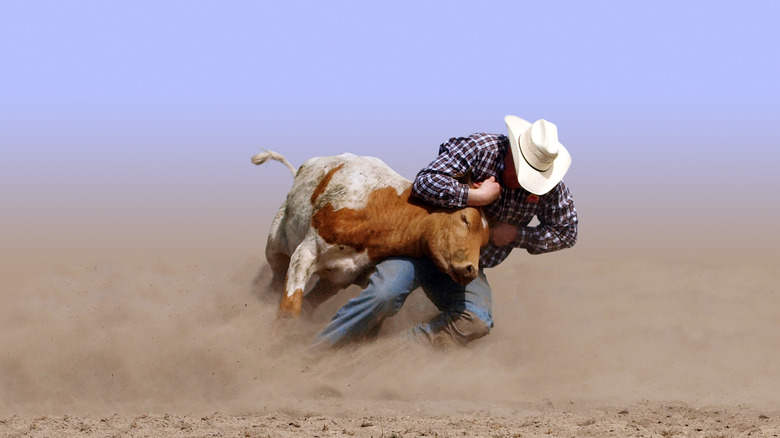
<point>464,274</point>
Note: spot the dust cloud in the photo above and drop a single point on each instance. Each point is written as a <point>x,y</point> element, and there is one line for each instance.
<point>185,337</point>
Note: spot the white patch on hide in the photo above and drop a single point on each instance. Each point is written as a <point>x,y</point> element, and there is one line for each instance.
<point>340,264</point>
<point>350,186</point>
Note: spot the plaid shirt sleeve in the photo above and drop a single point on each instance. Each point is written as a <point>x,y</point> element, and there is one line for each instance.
<point>436,183</point>
<point>557,227</point>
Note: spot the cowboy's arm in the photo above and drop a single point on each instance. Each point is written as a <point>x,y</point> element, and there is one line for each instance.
<point>436,183</point>
<point>557,227</point>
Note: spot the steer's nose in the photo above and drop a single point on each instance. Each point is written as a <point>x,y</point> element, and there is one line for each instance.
<point>465,273</point>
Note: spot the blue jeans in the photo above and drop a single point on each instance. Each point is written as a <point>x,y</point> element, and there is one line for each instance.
<point>465,310</point>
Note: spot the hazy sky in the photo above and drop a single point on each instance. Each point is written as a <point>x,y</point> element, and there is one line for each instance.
<point>124,115</point>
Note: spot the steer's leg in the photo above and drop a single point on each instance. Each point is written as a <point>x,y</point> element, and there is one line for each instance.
<point>301,268</point>
<point>277,254</point>
<point>279,263</point>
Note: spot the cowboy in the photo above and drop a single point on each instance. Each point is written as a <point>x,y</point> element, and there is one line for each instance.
<point>518,176</point>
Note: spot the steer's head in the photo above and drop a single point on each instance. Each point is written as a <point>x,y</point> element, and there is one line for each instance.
<point>455,239</point>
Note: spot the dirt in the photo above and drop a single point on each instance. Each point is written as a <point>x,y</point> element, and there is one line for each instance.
<point>580,348</point>
<point>646,420</point>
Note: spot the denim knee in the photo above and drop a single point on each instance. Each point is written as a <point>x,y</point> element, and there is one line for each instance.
<point>389,286</point>
<point>388,300</point>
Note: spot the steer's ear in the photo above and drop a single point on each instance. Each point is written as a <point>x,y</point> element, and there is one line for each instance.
<point>465,218</point>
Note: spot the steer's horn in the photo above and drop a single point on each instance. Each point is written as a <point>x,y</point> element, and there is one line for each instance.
<point>262,157</point>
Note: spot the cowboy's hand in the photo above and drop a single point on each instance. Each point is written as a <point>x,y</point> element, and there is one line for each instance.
<point>483,193</point>
<point>502,234</point>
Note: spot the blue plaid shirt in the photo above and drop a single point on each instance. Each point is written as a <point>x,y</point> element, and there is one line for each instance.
<point>482,156</point>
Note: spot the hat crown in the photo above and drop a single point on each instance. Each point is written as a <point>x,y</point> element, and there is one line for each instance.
<point>539,145</point>
<point>544,136</point>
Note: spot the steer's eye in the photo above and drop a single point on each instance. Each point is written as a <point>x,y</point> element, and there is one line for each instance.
<point>465,220</point>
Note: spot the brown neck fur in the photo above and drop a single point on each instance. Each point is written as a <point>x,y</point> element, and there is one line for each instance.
<point>390,224</point>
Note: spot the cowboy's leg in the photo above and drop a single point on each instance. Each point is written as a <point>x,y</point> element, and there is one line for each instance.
<point>395,278</point>
<point>466,313</point>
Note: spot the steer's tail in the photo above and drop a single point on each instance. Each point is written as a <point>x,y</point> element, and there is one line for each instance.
<point>262,157</point>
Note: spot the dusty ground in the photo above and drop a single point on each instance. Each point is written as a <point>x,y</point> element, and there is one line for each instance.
<point>600,348</point>
<point>645,420</point>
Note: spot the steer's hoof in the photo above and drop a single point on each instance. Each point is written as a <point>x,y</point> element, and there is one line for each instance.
<point>287,316</point>
<point>284,325</point>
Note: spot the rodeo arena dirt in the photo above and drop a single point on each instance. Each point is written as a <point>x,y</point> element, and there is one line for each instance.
<point>596,348</point>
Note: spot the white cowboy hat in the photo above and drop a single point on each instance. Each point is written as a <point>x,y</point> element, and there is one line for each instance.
<point>540,160</point>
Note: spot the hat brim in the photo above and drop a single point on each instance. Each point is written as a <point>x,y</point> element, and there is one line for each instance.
<point>529,178</point>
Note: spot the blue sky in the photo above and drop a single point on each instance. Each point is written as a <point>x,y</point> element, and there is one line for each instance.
<point>147,112</point>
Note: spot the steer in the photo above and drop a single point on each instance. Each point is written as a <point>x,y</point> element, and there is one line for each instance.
<point>345,213</point>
